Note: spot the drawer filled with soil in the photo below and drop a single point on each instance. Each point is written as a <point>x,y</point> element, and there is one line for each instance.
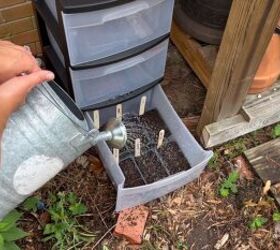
<point>154,162</point>
<point>160,155</point>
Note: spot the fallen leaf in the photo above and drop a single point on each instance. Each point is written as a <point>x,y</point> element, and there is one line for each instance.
<point>177,201</point>
<point>191,122</point>
<point>250,203</point>
<point>147,237</point>
<point>44,219</point>
<point>95,164</point>
<point>214,201</point>
<point>220,243</point>
<point>243,168</point>
<point>154,217</point>
<point>82,161</point>
<point>276,234</point>
<point>266,187</point>
<point>172,211</point>
<point>226,152</point>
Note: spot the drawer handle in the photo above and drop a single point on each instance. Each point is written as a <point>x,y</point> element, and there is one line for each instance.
<point>129,63</point>
<point>130,9</point>
<point>112,14</point>
<point>124,65</point>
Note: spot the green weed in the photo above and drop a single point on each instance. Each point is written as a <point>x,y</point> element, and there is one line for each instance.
<point>229,185</point>
<point>9,232</point>
<point>276,131</point>
<point>276,216</point>
<point>30,204</point>
<point>64,227</point>
<point>257,223</point>
<point>214,160</point>
<point>182,245</point>
<point>235,148</point>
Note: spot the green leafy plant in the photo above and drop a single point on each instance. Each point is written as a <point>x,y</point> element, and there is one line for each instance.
<point>235,148</point>
<point>30,204</point>
<point>182,245</point>
<point>9,231</point>
<point>257,222</point>
<point>229,185</point>
<point>276,216</point>
<point>276,131</point>
<point>213,161</point>
<point>105,247</point>
<point>64,227</point>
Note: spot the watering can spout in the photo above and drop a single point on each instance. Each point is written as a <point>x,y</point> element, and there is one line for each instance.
<point>118,133</point>
<point>114,133</point>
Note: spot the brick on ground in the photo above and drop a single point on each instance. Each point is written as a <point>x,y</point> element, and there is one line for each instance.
<point>131,224</point>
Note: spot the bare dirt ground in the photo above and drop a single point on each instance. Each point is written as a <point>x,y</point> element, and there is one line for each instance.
<point>195,217</point>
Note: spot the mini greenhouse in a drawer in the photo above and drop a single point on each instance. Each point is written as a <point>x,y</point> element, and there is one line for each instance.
<point>161,155</point>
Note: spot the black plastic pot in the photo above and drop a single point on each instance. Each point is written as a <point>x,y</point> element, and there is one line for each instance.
<point>205,20</point>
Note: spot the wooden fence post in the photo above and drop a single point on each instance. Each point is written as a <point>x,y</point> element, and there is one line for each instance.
<point>249,29</point>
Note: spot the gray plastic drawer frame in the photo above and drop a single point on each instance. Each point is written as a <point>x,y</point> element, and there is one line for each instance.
<point>194,153</point>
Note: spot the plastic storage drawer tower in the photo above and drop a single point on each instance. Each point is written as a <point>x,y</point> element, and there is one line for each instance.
<point>113,53</point>
<point>96,42</point>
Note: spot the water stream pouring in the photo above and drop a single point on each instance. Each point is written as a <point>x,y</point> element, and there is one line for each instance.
<point>42,138</point>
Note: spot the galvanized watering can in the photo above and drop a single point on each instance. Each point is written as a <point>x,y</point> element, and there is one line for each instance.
<point>41,139</point>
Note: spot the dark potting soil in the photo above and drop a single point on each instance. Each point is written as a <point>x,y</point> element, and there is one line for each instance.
<point>153,123</point>
<point>129,169</point>
<point>173,157</point>
<point>154,164</point>
<point>151,167</point>
<point>136,130</point>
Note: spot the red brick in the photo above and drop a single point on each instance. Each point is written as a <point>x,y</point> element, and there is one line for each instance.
<point>26,37</point>
<point>2,20</point>
<point>34,22</point>
<point>5,3</point>
<point>17,11</point>
<point>131,224</point>
<point>15,27</point>
<point>39,48</point>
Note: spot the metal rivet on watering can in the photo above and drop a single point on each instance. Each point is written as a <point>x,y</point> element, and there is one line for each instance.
<point>43,137</point>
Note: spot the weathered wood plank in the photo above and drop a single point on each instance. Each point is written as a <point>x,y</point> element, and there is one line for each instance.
<point>228,129</point>
<point>265,159</point>
<point>193,53</point>
<point>275,189</point>
<point>256,113</point>
<point>249,29</point>
<point>267,102</point>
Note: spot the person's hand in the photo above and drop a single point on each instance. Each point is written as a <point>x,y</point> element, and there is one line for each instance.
<point>14,91</point>
<point>19,73</point>
<point>15,60</point>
